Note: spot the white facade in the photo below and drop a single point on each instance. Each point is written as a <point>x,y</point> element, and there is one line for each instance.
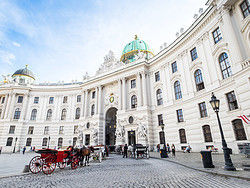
<point>112,86</point>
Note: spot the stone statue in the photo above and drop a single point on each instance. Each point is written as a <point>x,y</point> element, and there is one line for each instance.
<point>94,136</point>
<point>120,131</point>
<point>142,131</point>
<point>86,76</point>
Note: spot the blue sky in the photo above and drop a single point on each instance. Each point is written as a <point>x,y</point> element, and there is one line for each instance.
<point>62,39</point>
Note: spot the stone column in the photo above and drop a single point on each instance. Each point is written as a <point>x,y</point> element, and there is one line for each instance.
<point>96,100</point>
<point>86,104</point>
<point>164,87</point>
<point>120,94</point>
<point>100,100</point>
<point>168,84</point>
<point>144,89</point>
<point>4,106</point>
<point>10,96</point>
<point>139,98</point>
<point>152,92</point>
<point>24,109</point>
<point>11,108</point>
<point>83,101</point>
<point>124,102</point>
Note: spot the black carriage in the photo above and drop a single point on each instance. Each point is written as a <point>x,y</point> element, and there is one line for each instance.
<point>140,151</point>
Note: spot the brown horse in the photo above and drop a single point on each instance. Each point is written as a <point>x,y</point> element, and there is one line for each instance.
<point>84,152</point>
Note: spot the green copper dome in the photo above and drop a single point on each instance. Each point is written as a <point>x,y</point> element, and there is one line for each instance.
<point>133,48</point>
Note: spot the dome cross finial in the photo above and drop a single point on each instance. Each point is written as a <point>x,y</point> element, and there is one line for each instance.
<point>26,66</point>
<point>136,37</point>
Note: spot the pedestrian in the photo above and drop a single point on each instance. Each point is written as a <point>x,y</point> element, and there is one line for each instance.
<point>125,151</point>
<point>34,148</point>
<point>158,147</point>
<point>173,150</point>
<point>24,149</point>
<point>168,148</point>
<point>1,149</point>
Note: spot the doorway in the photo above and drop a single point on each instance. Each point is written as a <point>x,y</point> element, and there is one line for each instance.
<point>131,138</point>
<point>110,127</point>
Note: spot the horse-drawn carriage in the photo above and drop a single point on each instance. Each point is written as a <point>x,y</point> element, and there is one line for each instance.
<point>98,152</point>
<point>51,158</point>
<point>140,151</point>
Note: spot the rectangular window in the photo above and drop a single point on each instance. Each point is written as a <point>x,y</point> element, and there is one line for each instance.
<point>245,8</point>
<point>75,129</point>
<point>160,119</point>
<point>157,76</point>
<point>232,102</point>
<point>3,99</point>
<point>203,109</point>
<point>78,98</point>
<point>217,35</point>
<point>31,130</point>
<point>36,100</point>
<point>179,115</point>
<point>174,67</point>
<point>61,130</point>
<point>20,99</point>
<point>51,100</point>
<point>133,84</point>
<point>87,139</point>
<point>65,99</point>
<point>194,54</point>
<point>93,94</point>
<point>12,129</point>
<point>46,130</point>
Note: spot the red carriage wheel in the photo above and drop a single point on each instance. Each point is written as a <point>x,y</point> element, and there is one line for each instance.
<point>62,165</point>
<point>35,165</point>
<point>49,167</point>
<point>74,163</point>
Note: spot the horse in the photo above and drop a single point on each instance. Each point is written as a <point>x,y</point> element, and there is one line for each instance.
<point>84,152</point>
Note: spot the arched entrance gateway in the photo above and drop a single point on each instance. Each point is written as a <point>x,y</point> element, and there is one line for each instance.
<point>110,127</point>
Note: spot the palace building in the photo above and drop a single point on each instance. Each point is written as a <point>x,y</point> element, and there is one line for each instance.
<point>130,98</point>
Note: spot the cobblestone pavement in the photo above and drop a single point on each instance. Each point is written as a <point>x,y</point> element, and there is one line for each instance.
<point>118,172</point>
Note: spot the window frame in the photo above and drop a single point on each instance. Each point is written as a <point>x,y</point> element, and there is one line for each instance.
<point>20,99</point>
<point>194,54</point>
<point>31,130</point>
<point>60,142</point>
<point>33,115</point>
<point>51,100</point>
<point>182,136</point>
<point>199,83</point>
<point>45,141</point>
<point>207,133</point>
<point>63,114</point>
<point>177,90</point>
<point>12,129</point>
<point>247,8</point>
<point>78,98</point>
<point>203,109</point>
<point>174,67</point>
<point>17,114</point>
<point>239,129</point>
<point>133,102</point>
<point>9,141</point>
<point>46,130</point>
<point>180,117</point>
<point>159,98</point>
<point>65,99</point>
<point>225,65</point>
<point>217,36</point>
<point>232,105</point>
<point>160,119</point>
<point>28,141</point>
<point>49,115</point>
<point>61,129</point>
<point>36,100</point>
<point>133,84</point>
<point>157,76</point>
<point>78,113</point>
<point>92,110</point>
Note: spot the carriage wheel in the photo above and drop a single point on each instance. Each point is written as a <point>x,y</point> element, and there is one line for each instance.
<point>35,165</point>
<point>147,155</point>
<point>49,167</point>
<point>74,163</point>
<point>62,165</point>
<point>136,156</point>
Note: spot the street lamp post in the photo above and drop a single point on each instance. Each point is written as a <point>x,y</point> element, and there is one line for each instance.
<point>49,142</point>
<point>215,103</point>
<point>14,150</point>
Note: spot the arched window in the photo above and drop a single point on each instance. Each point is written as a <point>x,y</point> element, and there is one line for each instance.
<point>17,114</point>
<point>92,110</point>
<point>159,97</point>
<point>207,133</point>
<point>182,135</point>
<point>45,141</point>
<point>198,80</point>
<point>28,141</point>
<point>133,101</point>
<point>74,141</point>
<point>33,114</point>
<point>78,98</point>
<point>239,130</point>
<point>63,115</point>
<point>9,141</point>
<point>60,142</point>
<point>225,66</point>
<point>77,116</point>
<point>49,115</point>
<point>177,90</point>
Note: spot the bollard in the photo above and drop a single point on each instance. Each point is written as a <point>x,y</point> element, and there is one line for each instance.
<point>26,169</point>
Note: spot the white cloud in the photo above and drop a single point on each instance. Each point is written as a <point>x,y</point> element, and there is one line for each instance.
<point>16,44</point>
<point>7,57</point>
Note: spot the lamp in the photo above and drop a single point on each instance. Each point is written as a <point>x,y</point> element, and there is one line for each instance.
<point>215,103</point>
<point>162,127</point>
